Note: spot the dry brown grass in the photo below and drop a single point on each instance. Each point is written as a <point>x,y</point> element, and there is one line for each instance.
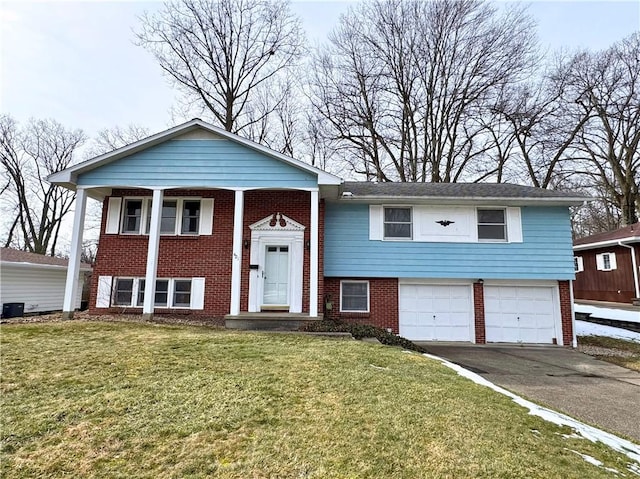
<point>89,399</point>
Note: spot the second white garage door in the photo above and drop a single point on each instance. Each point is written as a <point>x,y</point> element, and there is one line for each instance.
<point>429,312</point>
<point>520,314</point>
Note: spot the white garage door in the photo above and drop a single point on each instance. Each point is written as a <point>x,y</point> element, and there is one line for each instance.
<point>520,314</point>
<point>431,312</point>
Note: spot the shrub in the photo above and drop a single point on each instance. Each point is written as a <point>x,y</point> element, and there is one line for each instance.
<point>360,331</point>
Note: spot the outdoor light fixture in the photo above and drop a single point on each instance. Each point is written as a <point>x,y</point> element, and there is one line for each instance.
<point>307,244</point>
<point>481,281</point>
<point>246,244</point>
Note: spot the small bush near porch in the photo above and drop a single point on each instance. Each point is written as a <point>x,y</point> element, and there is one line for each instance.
<point>91,399</point>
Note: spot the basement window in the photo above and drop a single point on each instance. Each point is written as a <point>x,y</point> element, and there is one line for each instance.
<point>354,296</point>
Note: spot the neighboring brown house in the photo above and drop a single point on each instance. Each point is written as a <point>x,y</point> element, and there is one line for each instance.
<point>607,265</point>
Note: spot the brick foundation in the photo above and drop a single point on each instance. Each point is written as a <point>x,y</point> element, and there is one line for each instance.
<point>383,303</point>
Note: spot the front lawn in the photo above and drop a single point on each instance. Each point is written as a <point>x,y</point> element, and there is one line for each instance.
<point>91,399</point>
<point>617,351</point>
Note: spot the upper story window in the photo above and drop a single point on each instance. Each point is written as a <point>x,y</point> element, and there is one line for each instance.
<point>190,217</point>
<point>179,216</point>
<point>397,223</point>
<point>578,264</point>
<point>606,262</point>
<point>132,216</point>
<point>492,225</point>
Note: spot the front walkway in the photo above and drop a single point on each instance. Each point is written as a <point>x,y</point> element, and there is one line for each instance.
<point>590,390</point>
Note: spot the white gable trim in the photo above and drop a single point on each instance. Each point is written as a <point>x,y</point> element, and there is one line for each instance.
<point>69,175</point>
<point>282,223</point>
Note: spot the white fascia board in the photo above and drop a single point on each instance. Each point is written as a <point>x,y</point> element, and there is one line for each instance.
<point>464,200</point>
<point>69,175</point>
<point>8,264</point>
<point>604,244</point>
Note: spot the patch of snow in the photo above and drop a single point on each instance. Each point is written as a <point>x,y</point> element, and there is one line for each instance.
<point>593,434</point>
<point>585,328</point>
<point>379,367</point>
<point>594,461</point>
<point>535,431</point>
<point>608,313</point>
<point>572,436</point>
<point>635,468</point>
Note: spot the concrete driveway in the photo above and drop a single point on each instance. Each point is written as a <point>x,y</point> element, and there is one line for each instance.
<point>593,391</point>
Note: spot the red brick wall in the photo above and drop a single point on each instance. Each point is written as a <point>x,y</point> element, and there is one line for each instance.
<point>383,303</point>
<point>565,312</point>
<point>126,255</point>
<point>478,312</point>
<point>259,204</point>
<point>204,256</point>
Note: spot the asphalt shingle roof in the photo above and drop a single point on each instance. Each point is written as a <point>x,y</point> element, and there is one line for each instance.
<point>17,256</point>
<point>456,190</point>
<point>621,233</point>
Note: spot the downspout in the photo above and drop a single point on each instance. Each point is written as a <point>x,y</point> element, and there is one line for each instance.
<point>634,265</point>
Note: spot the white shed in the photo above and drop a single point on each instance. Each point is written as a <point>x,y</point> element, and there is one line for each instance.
<point>36,280</point>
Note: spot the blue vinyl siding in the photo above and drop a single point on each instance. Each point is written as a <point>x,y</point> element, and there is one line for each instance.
<point>202,163</point>
<point>545,253</point>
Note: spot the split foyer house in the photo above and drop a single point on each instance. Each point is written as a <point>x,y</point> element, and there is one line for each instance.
<point>201,221</point>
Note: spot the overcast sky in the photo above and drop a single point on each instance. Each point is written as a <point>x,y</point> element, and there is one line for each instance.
<point>76,62</point>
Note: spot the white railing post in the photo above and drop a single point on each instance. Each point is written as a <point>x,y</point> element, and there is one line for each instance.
<point>73,268</point>
<point>313,259</point>
<point>236,260</point>
<point>152,255</point>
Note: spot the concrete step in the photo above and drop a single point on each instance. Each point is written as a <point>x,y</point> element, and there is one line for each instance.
<point>268,321</point>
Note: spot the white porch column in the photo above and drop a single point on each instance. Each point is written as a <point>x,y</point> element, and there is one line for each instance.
<point>152,255</point>
<point>236,260</point>
<point>313,259</point>
<point>73,268</point>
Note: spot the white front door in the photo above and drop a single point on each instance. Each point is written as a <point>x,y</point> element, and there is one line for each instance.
<point>276,276</point>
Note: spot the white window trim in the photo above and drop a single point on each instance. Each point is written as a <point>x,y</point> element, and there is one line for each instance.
<point>143,217</point>
<point>613,265</point>
<point>172,288</point>
<point>342,310</point>
<point>398,238</point>
<point>166,305</point>
<point>580,264</point>
<point>135,291</point>
<point>146,212</point>
<point>506,225</point>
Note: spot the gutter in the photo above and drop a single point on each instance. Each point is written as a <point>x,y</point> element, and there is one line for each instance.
<point>634,265</point>
<point>569,201</point>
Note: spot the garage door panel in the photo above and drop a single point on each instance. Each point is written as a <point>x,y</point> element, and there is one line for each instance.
<point>436,312</point>
<point>524,314</point>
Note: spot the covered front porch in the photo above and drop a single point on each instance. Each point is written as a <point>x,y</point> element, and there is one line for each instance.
<point>264,250</point>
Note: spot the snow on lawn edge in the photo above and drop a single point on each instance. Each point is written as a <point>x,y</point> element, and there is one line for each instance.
<point>631,450</point>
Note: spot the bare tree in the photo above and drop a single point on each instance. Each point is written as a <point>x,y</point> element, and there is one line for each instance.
<point>218,52</point>
<point>407,85</point>
<point>542,121</point>
<point>609,82</point>
<point>109,139</point>
<point>36,207</point>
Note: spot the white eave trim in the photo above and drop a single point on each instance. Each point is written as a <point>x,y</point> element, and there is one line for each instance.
<point>83,267</point>
<point>463,200</point>
<point>604,244</point>
<point>69,175</point>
